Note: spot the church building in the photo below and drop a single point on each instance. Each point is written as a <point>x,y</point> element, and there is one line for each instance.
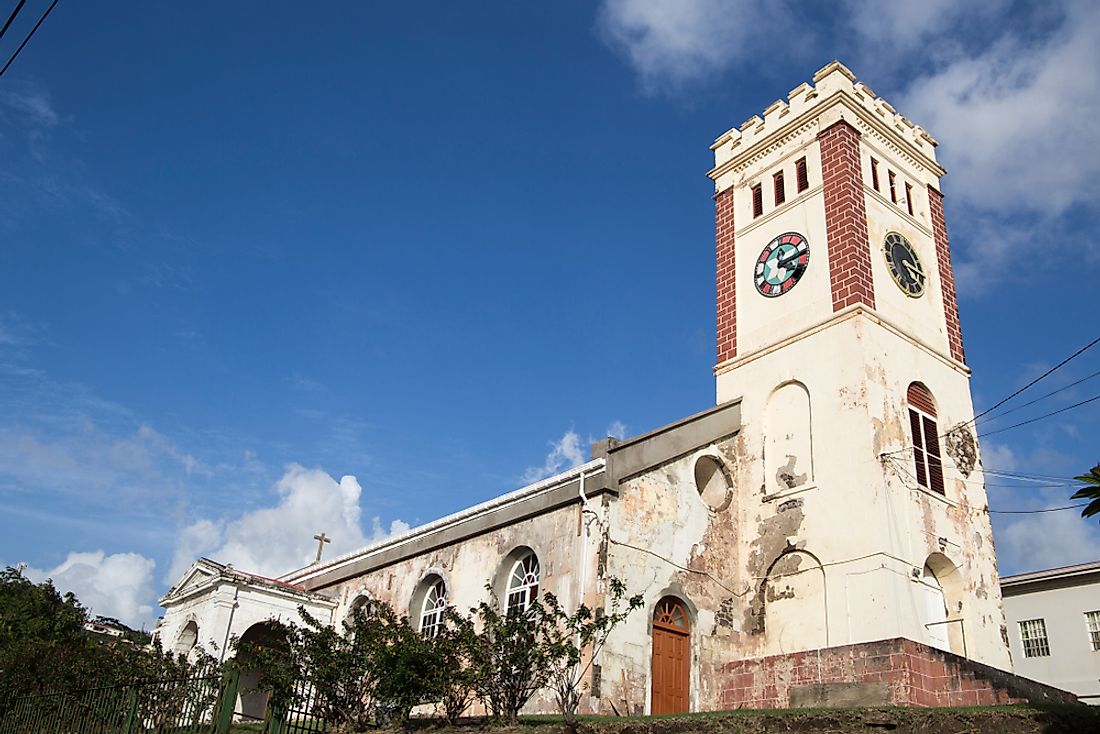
<point>821,534</point>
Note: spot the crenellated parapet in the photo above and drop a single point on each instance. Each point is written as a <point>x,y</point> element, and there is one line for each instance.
<point>834,83</point>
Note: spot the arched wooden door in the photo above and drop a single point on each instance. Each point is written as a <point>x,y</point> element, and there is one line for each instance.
<point>671,672</point>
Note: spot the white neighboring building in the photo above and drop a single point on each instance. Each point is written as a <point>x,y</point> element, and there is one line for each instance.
<point>1054,627</point>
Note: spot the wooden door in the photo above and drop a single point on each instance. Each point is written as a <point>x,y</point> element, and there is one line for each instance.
<point>671,672</point>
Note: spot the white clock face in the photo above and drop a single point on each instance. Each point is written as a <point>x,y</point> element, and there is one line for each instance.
<point>781,264</point>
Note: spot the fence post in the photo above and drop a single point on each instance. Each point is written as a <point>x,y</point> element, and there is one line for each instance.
<point>223,717</point>
<point>273,720</point>
<point>131,710</point>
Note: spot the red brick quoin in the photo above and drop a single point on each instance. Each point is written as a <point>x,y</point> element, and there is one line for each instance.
<point>845,217</point>
<point>727,293</point>
<point>947,275</point>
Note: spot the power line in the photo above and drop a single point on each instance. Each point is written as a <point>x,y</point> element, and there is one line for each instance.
<point>1044,397</point>
<point>1065,361</point>
<point>1048,415</point>
<point>1035,512</point>
<point>12,17</point>
<point>29,36</point>
<point>1025,475</point>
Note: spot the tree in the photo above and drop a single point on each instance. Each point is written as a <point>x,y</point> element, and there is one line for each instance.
<point>454,651</point>
<point>1091,491</point>
<point>42,639</point>
<point>44,648</point>
<point>508,658</point>
<point>567,637</point>
<point>373,670</point>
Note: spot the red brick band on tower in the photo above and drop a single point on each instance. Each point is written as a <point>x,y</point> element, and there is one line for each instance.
<point>845,217</point>
<point>947,275</point>
<point>724,261</point>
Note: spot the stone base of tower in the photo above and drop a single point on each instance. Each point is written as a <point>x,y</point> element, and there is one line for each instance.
<point>895,672</point>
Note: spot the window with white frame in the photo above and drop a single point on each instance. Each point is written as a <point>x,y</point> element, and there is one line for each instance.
<point>523,583</point>
<point>1092,621</point>
<point>435,604</point>
<point>1033,636</point>
<point>926,441</point>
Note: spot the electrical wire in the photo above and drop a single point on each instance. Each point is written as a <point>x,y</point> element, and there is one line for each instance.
<point>1042,417</point>
<point>1046,374</point>
<point>11,17</point>
<point>1035,512</point>
<point>1043,397</point>
<point>29,36</point>
<point>1025,475</point>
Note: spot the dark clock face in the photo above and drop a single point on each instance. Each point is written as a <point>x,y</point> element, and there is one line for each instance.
<point>781,264</point>
<point>905,266</point>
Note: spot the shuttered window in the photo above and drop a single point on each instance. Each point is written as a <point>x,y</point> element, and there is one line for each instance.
<point>909,199</point>
<point>802,175</point>
<point>928,464</point>
<point>892,178</point>
<point>874,174</point>
<point>757,201</point>
<point>780,188</point>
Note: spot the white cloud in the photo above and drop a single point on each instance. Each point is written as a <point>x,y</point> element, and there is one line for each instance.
<point>617,429</point>
<point>32,103</point>
<point>1020,115</point>
<point>673,44</point>
<point>888,30</point>
<point>118,585</point>
<point>274,540</point>
<point>564,454</point>
<point>1017,119</point>
<point>1047,540</point>
<point>998,456</point>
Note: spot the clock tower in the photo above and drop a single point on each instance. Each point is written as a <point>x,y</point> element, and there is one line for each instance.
<point>838,329</point>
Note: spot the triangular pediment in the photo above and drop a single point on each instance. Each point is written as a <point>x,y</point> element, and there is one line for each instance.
<point>198,575</point>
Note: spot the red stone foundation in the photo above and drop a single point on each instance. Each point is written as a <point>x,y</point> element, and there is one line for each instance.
<point>896,672</point>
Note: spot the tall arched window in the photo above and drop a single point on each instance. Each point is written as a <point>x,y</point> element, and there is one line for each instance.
<point>523,583</point>
<point>926,438</point>
<point>435,604</point>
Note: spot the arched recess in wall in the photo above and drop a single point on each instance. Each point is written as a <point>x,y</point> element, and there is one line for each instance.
<point>518,579</point>
<point>940,602</point>
<point>713,482</point>
<point>795,603</point>
<point>358,602</point>
<point>251,703</point>
<point>187,639</point>
<point>428,604</point>
<point>788,442</point>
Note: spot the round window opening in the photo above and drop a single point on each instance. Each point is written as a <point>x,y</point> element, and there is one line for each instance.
<point>712,483</point>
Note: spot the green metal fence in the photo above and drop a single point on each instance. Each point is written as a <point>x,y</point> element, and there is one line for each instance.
<point>200,704</point>
<point>300,715</point>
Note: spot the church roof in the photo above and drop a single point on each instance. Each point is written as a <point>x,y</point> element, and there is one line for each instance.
<point>526,501</point>
<point>206,575</point>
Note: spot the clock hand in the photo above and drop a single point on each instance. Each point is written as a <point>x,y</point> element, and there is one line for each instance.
<point>782,262</point>
<point>914,272</point>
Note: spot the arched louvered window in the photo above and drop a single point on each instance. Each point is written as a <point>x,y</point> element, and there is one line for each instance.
<point>523,583</point>
<point>926,438</point>
<point>435,604</point>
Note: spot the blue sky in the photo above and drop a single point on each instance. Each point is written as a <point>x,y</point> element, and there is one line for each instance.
<point>267,272</point>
